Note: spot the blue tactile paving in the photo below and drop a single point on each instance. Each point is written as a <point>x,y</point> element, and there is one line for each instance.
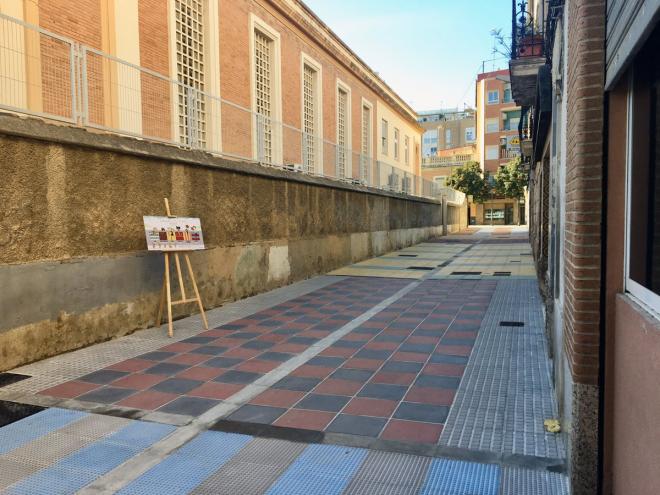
<point>325,469</point>
<point>21,432</point>
<point>449,477</point>
<point>189,466</point>
<point>82,467</point>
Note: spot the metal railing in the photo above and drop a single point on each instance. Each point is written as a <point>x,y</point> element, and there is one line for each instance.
<point>527,37</point>
<point>48,75</point>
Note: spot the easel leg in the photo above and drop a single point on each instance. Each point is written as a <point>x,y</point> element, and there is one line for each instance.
<point>161,304</point>
<point>170,330</point>
<point>180,276</point>
<point>199,299</point>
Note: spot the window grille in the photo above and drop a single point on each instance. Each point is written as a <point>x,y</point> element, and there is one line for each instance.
<point>342,123</point>
<point>384,132</point>
<point>366,139</point>
<point>406,149</point>
<point>263,63</point>
<point>396,144</point>
<point>309,118</point>
<point>189,15</point>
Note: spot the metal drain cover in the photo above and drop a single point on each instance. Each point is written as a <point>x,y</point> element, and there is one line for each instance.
<point>512,324</point>
<point>466,273</point>
<point>501,274</point>
<point>420,268</point>
<point>408,255</point>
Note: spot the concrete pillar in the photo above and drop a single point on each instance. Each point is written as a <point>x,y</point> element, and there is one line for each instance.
<point>444,216</point>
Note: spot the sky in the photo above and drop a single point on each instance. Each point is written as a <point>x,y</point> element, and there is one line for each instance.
<point>428,51</point>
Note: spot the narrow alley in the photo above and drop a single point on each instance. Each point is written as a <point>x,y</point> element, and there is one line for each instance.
<point>421,371</point>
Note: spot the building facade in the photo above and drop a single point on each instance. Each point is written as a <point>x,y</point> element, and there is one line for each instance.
<point>439,167</point>
<point>497,142</point>
<point>429,119</point>
<point>263,80</point>
<point>587,75</point>
<point>457,130</point>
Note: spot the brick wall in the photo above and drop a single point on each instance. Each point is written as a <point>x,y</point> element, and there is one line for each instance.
<point>586,43</point>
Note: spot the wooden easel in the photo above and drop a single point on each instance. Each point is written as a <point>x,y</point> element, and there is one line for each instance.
<point>166,292</point>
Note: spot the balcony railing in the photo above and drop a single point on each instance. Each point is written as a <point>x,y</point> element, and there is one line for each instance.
<point>527,38</point>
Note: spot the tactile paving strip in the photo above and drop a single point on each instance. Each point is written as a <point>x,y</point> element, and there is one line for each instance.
<point>325,469</point>
<point>266,457</point>
<point>461,478</point>
<point>189,466</point>
<point>506,391</point>
<point>516,481</point>
<point>386,473</point>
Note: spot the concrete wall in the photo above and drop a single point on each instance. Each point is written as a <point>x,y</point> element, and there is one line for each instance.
<point>73,264</point>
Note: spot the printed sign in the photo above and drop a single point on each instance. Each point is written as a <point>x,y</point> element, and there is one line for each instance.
<point>173,234</point>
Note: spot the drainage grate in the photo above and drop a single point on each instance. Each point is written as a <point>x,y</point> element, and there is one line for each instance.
<point>501,274</point>
<point>9,378</point>
<point>515,261</point>
<point>444,263</point>
<point>269,431</point>
<point>408,255</point>
<point>13,411</point>
<point>466,273</point>
<point>428,268</point>
<point>512,324</point>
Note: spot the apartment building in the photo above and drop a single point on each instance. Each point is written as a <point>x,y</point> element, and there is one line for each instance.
<point>439,167</point>
<point>456,129</point>
<point>497,141</point>
<point>429,119</point>
<point>587,75</point>
<point>262,80</point>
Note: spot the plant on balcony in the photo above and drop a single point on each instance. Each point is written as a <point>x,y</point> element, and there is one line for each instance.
<point>511,180</point>
<point>470,180</point>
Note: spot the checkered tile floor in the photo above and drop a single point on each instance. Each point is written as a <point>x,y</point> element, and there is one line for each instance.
<point>378,360</point>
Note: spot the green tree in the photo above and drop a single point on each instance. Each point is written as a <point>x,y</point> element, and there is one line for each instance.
<point>511,180</point>
<point>470,180</point>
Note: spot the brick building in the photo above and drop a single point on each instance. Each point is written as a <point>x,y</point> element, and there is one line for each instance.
<point>264,80</point>
<point>497,118</point>
<point>587,73</point>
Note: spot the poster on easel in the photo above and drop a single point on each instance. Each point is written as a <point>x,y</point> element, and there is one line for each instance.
<point>173,233</point>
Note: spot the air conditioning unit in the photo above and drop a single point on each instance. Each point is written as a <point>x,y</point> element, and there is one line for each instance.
<point>293,167</point>
<point>406,184</point>
<point>393,182</point>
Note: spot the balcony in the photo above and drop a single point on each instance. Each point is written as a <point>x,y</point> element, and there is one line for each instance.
<point>528,53</point>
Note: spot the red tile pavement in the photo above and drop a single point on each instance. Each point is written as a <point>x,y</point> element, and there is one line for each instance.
<point>411,431</point>
<point>414,357</point>
<point>444,369</point>
<point>214,390</point>
<point>312,371</point>
<point>307,420</point>
<point>434,396</point>
<point>338,387</point>
<point>138,381</point>
<point>132,365</point>
<point>362,406</point>
<point>201,373</point>
<point>258,366</point>
<point>382,346</point>
<point>69,390</point>
<point>455,350</point>
<point>394,378</point>
<point>278,398</point>
<point>179,347</point>
<point>187,359</point>
<point>292,348</point>
<point>243,353</point>
<point>363,364</point>
<point>148,400</point>
<point>338,352</point>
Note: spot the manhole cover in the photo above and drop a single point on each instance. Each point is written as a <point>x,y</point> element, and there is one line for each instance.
<point>9,378</point>
<point>420,268</point>
<point>512,324</point>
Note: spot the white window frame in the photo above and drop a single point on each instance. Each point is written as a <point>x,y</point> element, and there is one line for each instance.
<point>472,130</point>
<point>645,297</point>
<point>397,135</point>
<point>447,136</point>
<point>341,85</point>
<point>491,121</point>
<point>306,59</point>
<point>257,24</point>
<point>488,101</point>
<point>490,147</point>
<point>384,136</point>
<point>406,149</point>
